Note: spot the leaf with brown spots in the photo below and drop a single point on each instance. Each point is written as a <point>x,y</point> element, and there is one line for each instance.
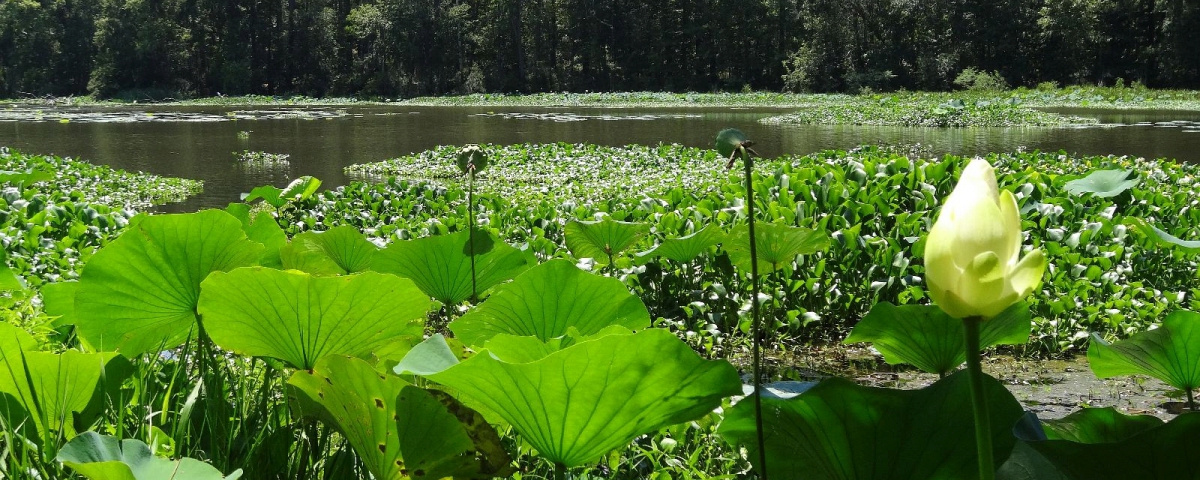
<point>441,437</point>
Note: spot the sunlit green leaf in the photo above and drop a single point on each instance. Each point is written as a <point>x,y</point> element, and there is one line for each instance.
<point>440,437</point>
<point>548,299</point>
<point>361,404</point>
<point>926,337</point>
<point>52,387</point>
<point>441,267</point>
<point>778,245</point>
<point>339,251</point>
<point>139,293</point>
<point>101,457</point>
<point>1160,237</point>
<point>600,239</point>
<point>1170,353</point>
<point>1103,183</point>
<point>579,403</point>
<point>400,431</point>
<point>685,249</point>
<point>298,318</point>
<point>58,300</point>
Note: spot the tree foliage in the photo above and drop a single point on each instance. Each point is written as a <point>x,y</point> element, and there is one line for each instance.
<point>138,49</point>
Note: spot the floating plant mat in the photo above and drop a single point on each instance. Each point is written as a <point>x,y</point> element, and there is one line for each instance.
<point>575,117</point>
<point>134,116</point>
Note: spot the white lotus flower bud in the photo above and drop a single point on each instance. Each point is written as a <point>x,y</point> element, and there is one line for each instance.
<point>972,254</point>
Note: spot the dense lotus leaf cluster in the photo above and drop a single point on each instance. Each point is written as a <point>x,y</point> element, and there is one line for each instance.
<point>562,172</point>
<point>954,113</point>
<point>50,226</point>
<point>1105,275</point>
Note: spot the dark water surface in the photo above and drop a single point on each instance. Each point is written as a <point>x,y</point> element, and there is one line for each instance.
<point>197,142</point>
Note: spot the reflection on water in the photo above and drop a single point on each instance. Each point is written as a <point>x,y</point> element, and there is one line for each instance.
<point>320,141</point>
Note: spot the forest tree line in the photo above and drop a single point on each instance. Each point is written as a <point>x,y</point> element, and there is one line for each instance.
<point>404,48</point>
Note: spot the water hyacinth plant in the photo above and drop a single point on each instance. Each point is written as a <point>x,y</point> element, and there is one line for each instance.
<point>974,272</point>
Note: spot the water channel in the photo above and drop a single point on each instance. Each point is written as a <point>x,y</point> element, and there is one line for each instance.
<point>199,142</point>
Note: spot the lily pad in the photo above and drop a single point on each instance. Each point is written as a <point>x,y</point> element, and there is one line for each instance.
<point>1160,237</point>
<point>139,293</point>
<point>926,337</point>
<point>778,245</point>
<point>581,402</point>
<point>1170,353</point>
<point>101,457</point>
<point>1103,183</point>
<point>299,318</point>
<point>547,300</point>
<point>52,387</point>
<point>400,431</point>
<point>840,430</point>
<point>687,248</point>
<point>441,267</point>
<point>339,251</point>
<point>58,300</point>
<point>602,239</point>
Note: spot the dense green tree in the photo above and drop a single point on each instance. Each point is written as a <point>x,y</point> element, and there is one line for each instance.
<point>400,48</point>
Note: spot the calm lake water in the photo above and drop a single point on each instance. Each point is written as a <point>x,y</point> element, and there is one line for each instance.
<point>198,142</point>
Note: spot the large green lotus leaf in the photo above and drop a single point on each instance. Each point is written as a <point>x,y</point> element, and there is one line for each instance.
<point>1170,353</point>
<point>521,349</point>
<point>600,239</point>
<point>840,430</point>
<point>139,293</point>
<point>1103,183</point>
<point>263,229</point>
<point>777,244</point>
<point>14,339</point>
<point>300,189</point>
<point>1106,445</point>
<point>548,299</point>
<point>299,318</point>
<point>1160,237</point>
<point>101,457</point>
<point>268,193</point>
<point>440,438</point>
<point>361,404</point>
<point>926,337</point>
<point>441,266</point>
<point>58,300</point>
<point>1098,425</point>
<point>52,387</point>
<point>26,177</point>
<point>581,402</point>
<point>9,280</point>
<point>339,251</point>
<point>398,430</point>
<point>266,230</point>
<point>685,249</point>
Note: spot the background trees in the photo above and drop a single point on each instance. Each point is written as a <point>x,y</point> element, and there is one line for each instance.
<point>401,48</point>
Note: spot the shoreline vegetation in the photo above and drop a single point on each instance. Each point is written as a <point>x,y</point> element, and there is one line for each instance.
<point>961,109</point>
<point>1133,98</point>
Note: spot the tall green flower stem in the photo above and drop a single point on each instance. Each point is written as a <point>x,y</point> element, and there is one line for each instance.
<point>472,159</point>
<point>983,431</point>
<point>756,321</point>
<point>471,226</point>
